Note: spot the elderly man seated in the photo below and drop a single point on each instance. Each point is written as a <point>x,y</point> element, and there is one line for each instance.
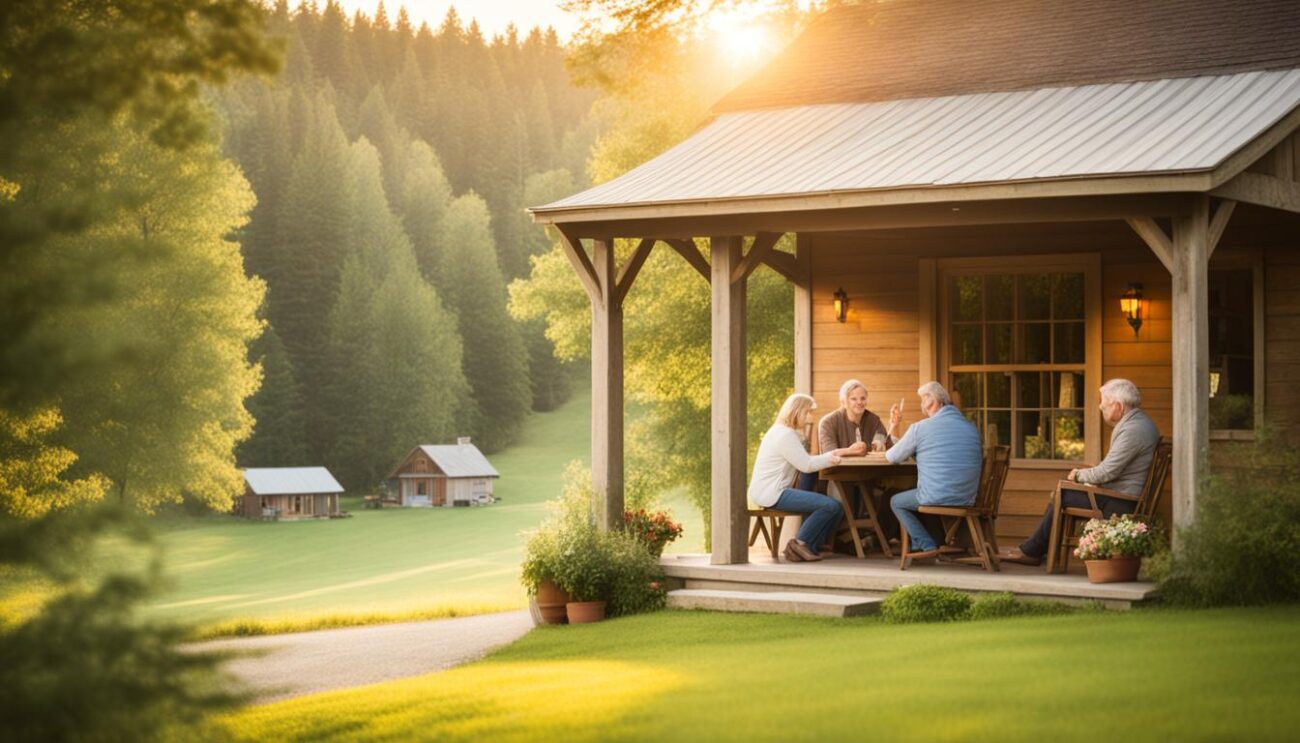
<point>1132,444</point>
<point>948,462</point>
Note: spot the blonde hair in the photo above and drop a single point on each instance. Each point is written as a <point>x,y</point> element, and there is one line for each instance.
<point>793,409</point>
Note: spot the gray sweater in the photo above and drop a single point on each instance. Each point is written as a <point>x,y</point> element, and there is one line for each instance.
<point>1125,467</point>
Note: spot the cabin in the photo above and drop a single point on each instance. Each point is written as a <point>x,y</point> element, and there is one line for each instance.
<point>1018,199</point>
<point>289,493</point>
<point>448,475</point>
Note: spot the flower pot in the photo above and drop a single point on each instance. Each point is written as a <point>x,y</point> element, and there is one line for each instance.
<point>1114,570</point>
<point>582,612</point>
<point>551,602</point>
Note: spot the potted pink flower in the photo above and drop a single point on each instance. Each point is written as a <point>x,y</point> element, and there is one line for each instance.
<point>1112,549</point>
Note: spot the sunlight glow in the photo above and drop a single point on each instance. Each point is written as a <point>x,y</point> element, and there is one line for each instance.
<point>743,32</point>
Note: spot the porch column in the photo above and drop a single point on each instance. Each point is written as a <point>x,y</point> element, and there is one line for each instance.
<point>730,518</point>
<point>803,315</point>
<point>606,390</point>
<point>1191,356</point>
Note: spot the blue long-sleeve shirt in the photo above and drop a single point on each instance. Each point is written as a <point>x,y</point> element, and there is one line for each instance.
<point>948,458</point>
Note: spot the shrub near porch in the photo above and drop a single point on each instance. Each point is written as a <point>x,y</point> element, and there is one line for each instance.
<point>1141,675</point>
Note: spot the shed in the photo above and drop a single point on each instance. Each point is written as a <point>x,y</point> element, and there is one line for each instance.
<point>443,475</point>
<point>995,193</point>
<point>290,493</point>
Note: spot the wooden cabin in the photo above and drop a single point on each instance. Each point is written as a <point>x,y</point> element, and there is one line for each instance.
<point>288,493</point>
<point>449,475</point>
<point>1018,199</point>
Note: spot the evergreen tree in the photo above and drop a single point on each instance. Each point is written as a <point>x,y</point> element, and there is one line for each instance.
<point>426,194</point>
<point>278,438</point>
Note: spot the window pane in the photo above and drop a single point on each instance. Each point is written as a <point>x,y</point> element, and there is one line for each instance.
<point>999,351</point>
<point>1034,390</point>
<point>1001,303</point>
<point>967,298</point>
<point>967,347</point>
<point>999,390</point>
<point>1035,296</point>
<point>1068,348</point>
<point>997,428</point>
<point>1069,390</point>
<point>967,391</point>
<point>1035,343</point>
<point>1069,435</point>
<point>1232,349</point>
<point>1067,296</point>
<point>1034,439</point>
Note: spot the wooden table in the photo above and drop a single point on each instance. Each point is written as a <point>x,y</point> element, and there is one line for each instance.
<point>864,471</point>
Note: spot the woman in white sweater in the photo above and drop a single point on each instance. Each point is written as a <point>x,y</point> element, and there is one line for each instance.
<point>779,455</point>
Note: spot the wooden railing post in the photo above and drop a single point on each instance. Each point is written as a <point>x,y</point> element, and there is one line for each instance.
<point>730,518</point>
<point>1191,356</point>
<point>606,390</point>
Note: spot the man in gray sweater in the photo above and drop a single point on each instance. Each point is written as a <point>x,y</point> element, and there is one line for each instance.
<point>1132,444</point>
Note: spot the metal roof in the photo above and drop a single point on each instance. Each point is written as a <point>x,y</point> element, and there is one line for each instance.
<point>460,460</point>
<point>1167,126</point>
<point>291,480</point>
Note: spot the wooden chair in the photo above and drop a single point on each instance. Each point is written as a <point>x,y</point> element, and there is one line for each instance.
<point>771,531</point>
<point>1066,521</point>
<point>979,517</point>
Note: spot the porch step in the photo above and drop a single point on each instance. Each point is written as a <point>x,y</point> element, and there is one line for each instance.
<point>774,602</point>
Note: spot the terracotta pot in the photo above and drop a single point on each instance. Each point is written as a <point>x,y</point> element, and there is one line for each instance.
<point>582,612</point>
<point>550,603</point>
<point>1114,570</point>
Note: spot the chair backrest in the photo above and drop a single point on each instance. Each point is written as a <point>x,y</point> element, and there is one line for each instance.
<point>993,475</point>
<point>1154,488</point>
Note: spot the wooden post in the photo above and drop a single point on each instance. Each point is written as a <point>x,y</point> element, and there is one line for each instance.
<point>606,390</point>
<point>1191,356</point>
<point>803,316</point>
<point>730,518</point>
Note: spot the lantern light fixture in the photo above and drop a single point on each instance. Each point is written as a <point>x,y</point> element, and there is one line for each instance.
<point>841,305</point>
<point>1131,305</point>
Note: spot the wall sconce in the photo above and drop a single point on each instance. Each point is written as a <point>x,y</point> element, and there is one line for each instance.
<point>1131,305</point>
<point>841,305</point>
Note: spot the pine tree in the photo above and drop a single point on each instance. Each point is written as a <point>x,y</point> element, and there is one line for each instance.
<point>278,435</point>
<point>426,195</point>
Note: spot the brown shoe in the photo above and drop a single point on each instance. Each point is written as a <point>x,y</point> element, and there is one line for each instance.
<point>790,554</point>
<point>923,555</point>
<point>801,549</point>
<point>1022,558</point>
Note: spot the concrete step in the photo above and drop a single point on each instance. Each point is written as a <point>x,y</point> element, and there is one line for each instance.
<point>773,602</point>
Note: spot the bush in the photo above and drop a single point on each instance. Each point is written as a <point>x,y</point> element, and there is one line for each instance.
<point>1002,605</point>
<point>1244,546</point>
<point>636,581</point>
<point>541,559</point>
<point>924,603</point>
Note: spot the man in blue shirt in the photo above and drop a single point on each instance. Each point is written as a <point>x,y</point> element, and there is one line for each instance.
<point>949,457</point>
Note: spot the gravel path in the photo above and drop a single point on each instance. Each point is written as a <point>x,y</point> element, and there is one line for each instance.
<point>291,665</point>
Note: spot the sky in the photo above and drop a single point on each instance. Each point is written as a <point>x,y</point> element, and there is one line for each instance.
<point>493,15</point>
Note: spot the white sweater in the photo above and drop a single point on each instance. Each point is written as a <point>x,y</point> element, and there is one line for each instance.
<point>779,455</point>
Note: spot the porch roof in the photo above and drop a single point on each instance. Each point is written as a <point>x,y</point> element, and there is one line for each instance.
<point>291,481</point>
<point>1177,134</point>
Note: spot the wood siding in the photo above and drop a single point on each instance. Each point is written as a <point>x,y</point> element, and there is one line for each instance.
<point>291,507</point>
<point>885,343</point>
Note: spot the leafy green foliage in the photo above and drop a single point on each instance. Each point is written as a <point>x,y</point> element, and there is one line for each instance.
<point>1244,546</point>
<point>1002,604</point>
<point>925,603</point>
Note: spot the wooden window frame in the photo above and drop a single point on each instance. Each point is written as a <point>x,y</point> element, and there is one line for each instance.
<point>935,332</point>
<point>1254,261</point>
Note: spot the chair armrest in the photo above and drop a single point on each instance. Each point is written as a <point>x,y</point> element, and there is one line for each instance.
<point>1098,490</point>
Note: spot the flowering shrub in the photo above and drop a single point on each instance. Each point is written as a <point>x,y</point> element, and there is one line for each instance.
<point>654,530</point>
<point>1118,536</point>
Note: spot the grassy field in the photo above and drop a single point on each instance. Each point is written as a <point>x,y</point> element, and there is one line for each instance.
<point>1141,675</point>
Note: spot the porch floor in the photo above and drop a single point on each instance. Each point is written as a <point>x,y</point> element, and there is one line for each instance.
<point>876,576</point>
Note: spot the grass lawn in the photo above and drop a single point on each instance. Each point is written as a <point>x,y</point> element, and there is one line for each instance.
<point>387,561</point>
<point>1142,675</point>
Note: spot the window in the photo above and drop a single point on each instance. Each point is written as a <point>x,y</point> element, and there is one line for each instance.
<point>1232,348</point>
<point>1014,349</point>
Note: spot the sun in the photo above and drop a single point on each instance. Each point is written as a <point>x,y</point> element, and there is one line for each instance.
<point>744,38</point>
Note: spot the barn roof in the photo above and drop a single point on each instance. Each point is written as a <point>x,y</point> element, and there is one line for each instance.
<point>291,480</point>
<point>460,460</point>
<point>878,51</point>
<point>1173,126</point>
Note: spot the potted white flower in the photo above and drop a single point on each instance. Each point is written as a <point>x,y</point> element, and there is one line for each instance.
<point>1112,549</point>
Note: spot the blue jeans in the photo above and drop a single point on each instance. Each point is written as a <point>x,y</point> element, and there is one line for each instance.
<point>824,513</point>
<point>807,481</point>
<point>904,506</point>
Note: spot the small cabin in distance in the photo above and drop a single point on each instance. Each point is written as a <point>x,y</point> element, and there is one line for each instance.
<point>289,493</point>
<point>447,475</point>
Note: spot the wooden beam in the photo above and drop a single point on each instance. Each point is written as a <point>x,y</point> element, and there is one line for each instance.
<point>927,319</point>
<point>572,246</point>
<point>803,325</point>
<point>1262,190</point>
<point>1191,358</point>
<point>1155,238</point>
<point>786,265</point>
<point>633,267</point>
<point>764,243</point>
<point>1220,222</point>
<point>686,248</point>
<point>606,392</point>
<point>730,523</point>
